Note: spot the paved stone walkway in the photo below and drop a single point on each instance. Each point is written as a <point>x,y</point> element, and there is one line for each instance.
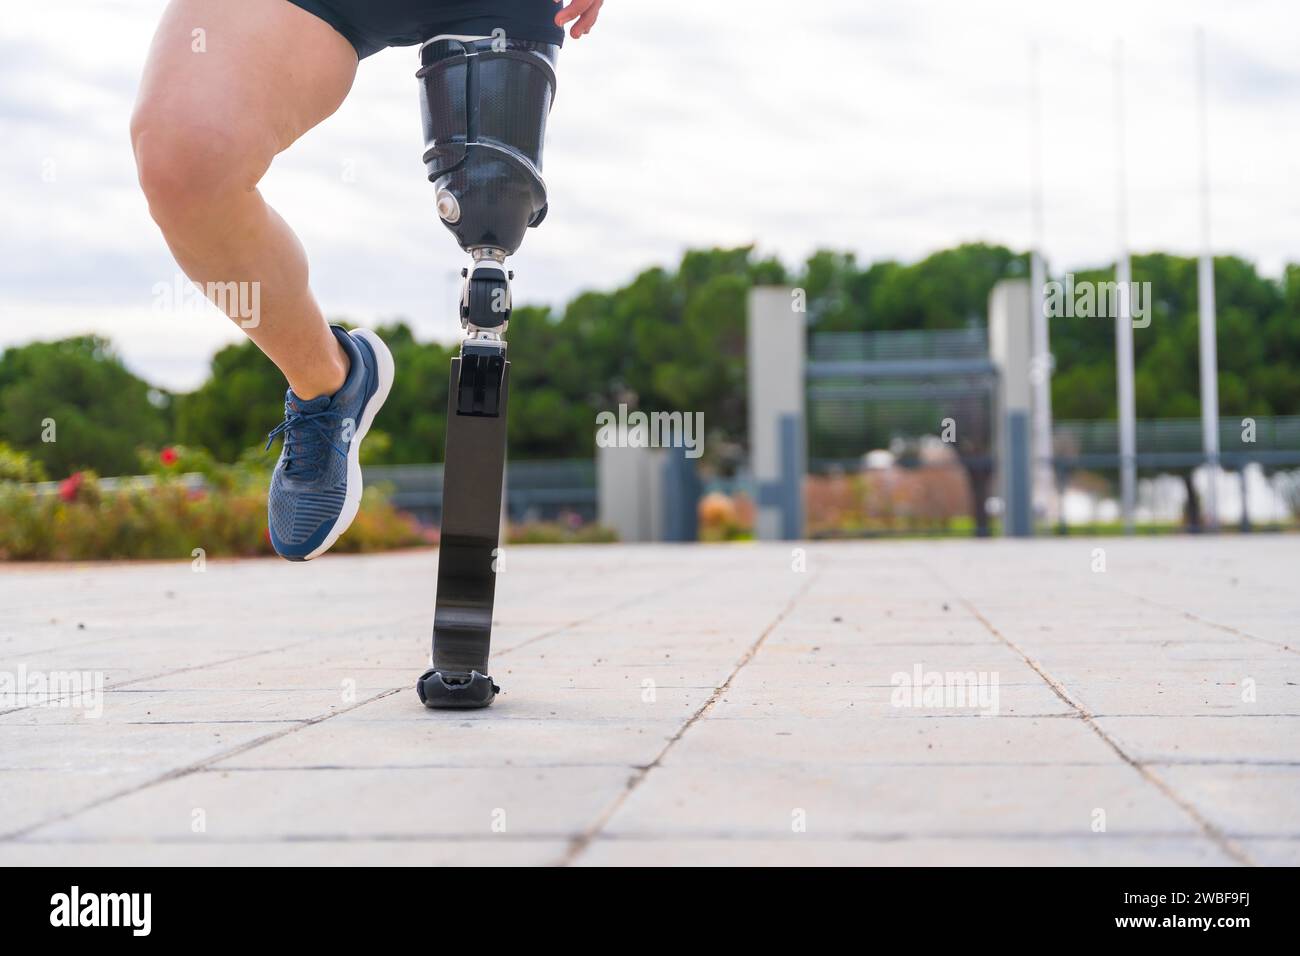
<point>699,704</point>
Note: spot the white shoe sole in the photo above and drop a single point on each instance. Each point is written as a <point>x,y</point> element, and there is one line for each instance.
<point>352,502</point>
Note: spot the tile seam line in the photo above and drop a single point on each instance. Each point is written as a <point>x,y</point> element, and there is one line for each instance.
<point>1209,829</point>
<point>580,843</point>
<point>1191,616</point>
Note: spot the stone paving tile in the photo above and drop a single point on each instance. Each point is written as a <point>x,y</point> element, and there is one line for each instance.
<point>1266,852</point>
<point>389,803</point>
<point>1168,696</point>
<point>667,704</point>
<point>31,797</point>
<point>469,741</point>
<point>297,665</point>
<point>357,673</point>
<point>1097,850</point>
<point>1249,800</point>
<point>497,851</point>
<point>1226,739</point>
<point>97,750</point>
<point>758,692</point>
<point>903,743</point>
<point>763,802</point>
<point>184,706</point>
<point>880,662</point>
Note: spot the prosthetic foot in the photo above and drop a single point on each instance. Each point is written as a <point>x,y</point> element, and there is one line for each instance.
<point>485,102</point>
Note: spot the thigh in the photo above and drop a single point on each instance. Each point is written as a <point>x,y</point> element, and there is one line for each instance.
<point>258,73</point>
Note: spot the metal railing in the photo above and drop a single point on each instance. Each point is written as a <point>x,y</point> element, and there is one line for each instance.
<point>1177,442</point>
<point>535,490</point>
<point>899,346</point>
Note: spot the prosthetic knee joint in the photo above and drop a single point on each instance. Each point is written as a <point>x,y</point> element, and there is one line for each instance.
<point>484,103</point>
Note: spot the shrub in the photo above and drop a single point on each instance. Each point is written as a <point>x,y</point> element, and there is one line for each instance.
<point>724,518</point>
<point>17,465</point>
<point>169,513</point>
<point>558,532</point>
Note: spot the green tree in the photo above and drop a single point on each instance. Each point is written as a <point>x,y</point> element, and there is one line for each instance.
<point>233,410</point>
<point>415,416</point>
<point>72,405</point>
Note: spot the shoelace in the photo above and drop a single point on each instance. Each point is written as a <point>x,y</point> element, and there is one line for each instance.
<point>306,438</point>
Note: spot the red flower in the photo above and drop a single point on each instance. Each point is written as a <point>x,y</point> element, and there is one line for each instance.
<point>168,456</point>
<point>70,485</point>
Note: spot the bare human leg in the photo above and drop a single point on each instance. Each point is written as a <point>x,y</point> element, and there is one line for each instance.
<point>227,86</point>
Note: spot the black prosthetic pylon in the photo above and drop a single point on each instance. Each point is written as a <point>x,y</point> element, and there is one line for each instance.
<point>471,523</point>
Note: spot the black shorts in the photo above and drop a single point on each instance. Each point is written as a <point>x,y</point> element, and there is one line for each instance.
<point>372,25</point>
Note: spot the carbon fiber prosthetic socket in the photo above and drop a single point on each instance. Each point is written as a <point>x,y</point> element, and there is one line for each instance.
<point>484,103</point>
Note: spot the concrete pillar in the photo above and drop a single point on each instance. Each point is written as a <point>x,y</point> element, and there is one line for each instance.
<point>1011,350</point>
<point>629,495</point>
<point>681,496</point>
<point>647,494</point>
<point>777,446</point>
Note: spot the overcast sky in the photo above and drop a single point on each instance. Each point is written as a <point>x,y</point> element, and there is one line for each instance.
<point>885,129</point>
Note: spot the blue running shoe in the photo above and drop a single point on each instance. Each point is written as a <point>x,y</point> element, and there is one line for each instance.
<point>316,486</point>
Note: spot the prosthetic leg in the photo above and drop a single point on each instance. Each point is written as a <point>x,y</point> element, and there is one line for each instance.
<point>485,102</point>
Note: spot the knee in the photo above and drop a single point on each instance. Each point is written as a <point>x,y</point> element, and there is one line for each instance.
<point>189,172</point>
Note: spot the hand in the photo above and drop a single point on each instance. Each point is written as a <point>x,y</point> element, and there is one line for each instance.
<point>584,11</point>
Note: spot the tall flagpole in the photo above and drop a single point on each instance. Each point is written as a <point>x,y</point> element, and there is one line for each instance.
<point>1205,300</point>
<point>1040,368</point>
<point>1125,403</point>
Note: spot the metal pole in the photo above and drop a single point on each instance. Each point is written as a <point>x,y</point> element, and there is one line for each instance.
<point>1125,402</point>
<point>1205,299</point>
<point>1040,369</point>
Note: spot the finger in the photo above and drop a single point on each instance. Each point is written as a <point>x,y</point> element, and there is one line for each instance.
<point>574,10</point>
<point>585,23</point>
